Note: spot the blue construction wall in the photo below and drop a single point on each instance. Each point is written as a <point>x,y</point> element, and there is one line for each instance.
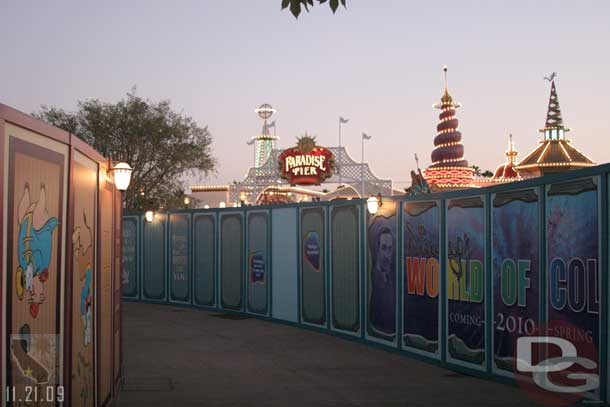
<point>454,278</point>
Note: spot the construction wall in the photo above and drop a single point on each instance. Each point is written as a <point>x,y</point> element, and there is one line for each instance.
<point>60,261</point>
<point>454,278</point>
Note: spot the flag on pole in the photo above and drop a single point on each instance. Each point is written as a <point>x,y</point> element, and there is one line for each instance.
<point>366,136</point>
<point>342,120</point>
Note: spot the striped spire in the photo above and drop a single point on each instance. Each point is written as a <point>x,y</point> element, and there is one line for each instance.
<point>553,114</point>
<point>553,127</point>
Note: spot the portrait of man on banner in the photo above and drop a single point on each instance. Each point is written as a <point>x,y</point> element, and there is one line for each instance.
<point>382,279</point>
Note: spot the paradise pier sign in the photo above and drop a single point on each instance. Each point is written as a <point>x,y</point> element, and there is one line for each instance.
<point>307,163</point>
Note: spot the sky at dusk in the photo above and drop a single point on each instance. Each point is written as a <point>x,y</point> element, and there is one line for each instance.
<point>378,63</point>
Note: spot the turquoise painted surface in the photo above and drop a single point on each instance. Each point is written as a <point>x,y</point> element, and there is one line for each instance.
<point>258,262</point>
<point>313,272</point>
<point>129,273</point>
<point>153,270</point>
<point>180,269</point>
<point>284,275</point>
<point>204,251</point>
<point>231,260</point>
<point>345,268</point>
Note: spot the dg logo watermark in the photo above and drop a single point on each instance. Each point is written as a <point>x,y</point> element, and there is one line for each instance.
<point>558,364</point>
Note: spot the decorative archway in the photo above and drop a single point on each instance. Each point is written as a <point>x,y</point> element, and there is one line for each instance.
<point>348,171</point>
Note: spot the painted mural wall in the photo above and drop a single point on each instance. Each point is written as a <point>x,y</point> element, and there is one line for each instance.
<point>457,278</point>
<point>49,194</point>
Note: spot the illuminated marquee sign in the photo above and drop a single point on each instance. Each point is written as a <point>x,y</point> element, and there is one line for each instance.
<point>306,164</point>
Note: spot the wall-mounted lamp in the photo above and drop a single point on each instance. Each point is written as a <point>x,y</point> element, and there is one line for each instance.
<point>374,203</point>
<point>222,204</point>
<point>149,216</point>
<point>122,175</point>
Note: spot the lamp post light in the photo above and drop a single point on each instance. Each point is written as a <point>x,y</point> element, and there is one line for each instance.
<point>222,204</point>
<point>122,178</point>
<point>122,175</point>
<point>374,203</point>
<point>364,137</point>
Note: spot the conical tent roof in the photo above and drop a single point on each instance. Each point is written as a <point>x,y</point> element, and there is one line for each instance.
<point>555,153</point>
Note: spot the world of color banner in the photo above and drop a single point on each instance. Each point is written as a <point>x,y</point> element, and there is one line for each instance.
<point>466,280</point>
<point>381,270</point>
<point>572,258</point>
<point>515,237</point>
<point>421,284</point>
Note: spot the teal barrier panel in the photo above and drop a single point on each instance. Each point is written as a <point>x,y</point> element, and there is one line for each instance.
<point>472,273</point>
<point>312,258</point>
<point>131,258</point>
<point>258,262</point>
<point>573,258</point>
<point>345,268</point>
<point>515,273</point>
<point>284,285</point>
<point>466,274</point>
<point>154,258</point>
<point>180,260</point>
<point>204,253</point>
<point>231,260</point>
<point>381,280</point>
<point>421,283</point>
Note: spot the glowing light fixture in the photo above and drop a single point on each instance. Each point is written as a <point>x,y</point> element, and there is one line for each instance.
<point>373,204</point>
<point>222,204</point>
<point>122,175</point>
<point>149,216</point>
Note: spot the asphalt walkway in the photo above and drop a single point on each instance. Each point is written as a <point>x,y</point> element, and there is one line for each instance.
<point>186,357</point>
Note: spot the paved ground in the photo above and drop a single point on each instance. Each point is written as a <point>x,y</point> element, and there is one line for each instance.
<point>185,357</point>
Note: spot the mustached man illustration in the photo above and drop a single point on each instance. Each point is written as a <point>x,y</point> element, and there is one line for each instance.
<point>383,296</point>
<point>35,244</point>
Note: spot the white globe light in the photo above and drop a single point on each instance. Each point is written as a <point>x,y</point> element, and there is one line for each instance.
<point>222,204</point>
<point>122,176</point>
<point>372,204</point>
<point>149,215</point>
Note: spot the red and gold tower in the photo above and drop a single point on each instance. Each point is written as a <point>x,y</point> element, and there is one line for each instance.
<point>448,170</point>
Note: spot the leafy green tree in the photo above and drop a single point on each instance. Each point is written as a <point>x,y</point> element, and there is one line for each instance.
<point>295,5</point>
<point>162,146</point>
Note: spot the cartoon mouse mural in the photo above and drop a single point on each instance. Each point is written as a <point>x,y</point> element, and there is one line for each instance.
<point>35,243</point>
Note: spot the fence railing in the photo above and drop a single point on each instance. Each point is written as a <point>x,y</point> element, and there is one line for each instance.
<point>455,278</point>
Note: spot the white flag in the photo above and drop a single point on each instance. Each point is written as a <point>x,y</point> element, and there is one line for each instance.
<point>342,120</point>
<point>365,136</point>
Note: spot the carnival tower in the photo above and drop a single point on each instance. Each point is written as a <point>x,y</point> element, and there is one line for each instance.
<point>449,169</point>
<point>555,153</point>
<point>264,143</point>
